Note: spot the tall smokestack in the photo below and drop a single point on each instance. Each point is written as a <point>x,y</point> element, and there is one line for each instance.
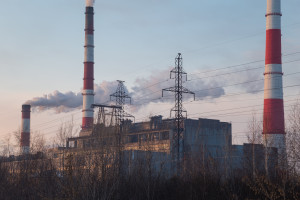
<point>273,120</point>
<point>88,79</point>
<point>25,129</point>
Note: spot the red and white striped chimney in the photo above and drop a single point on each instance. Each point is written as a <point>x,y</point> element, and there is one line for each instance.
<point>273,119</point>
<point>25,130</point>
<point>88,80</point>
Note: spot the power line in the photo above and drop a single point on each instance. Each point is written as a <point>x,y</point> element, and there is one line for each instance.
<point>293,53</point>
<point>61,124</point>
<point>229,109</point>
<point>68,116</point>
<point>241,113</point>
<point>197,102</point>
<point>227,85</point>
<point>222,114</point>
<point>245,82</point>
<point>43,124</point>
<point>216,44</point>
<point>55,131</point>
<point>49,122</point>
<point>243,64</point>
<point>219,87</point>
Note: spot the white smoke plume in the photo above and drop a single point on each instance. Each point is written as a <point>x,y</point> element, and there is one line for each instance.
<point>65,102</point>
<point>61,102</point>
<point>253,79</point>
<point>89,3</point>
<point>147,90</point>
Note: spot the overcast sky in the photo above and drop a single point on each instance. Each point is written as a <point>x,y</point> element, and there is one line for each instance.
<point>41,53</point>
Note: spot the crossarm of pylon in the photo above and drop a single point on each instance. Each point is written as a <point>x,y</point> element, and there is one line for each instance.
<point>170,89</point>
<point>187,91</point>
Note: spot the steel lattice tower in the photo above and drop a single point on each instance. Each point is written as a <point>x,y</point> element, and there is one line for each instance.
<point>102,114</point>
<point>120,97</point>
<point>179,90</point>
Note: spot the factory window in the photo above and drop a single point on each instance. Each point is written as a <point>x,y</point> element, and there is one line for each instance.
<point>155,136</point>
<point>133,139</point>
<point>71,144</point>
<point>143,137</point>
<point>125,139</point>
<point>150,136</point>
<point>164,135</point>
<point>87,143</point>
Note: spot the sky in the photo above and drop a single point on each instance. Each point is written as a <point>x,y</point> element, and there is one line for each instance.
<point>222,44</point>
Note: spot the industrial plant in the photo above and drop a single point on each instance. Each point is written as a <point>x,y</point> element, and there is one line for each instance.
<point>177,145</point>
<point>179,140</point>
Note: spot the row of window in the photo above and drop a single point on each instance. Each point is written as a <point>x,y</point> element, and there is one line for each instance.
<point>154,136</point>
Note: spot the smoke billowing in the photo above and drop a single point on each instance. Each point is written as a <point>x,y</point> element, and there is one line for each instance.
<point>90,3</point>
<point>253,79</point>
<point>65,102</point>
<point>147,90</point>
<point>60,102</point>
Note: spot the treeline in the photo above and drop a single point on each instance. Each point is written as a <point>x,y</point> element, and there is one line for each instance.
<point>99,175</point>
<point>90,178</point>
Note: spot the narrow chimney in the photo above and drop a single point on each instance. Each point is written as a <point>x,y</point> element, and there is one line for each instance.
<point>273,119</point>
<point>25,129</point>
<point>88,80</point>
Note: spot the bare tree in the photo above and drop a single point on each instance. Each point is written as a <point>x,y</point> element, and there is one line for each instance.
<point>37,142</point>
<point>17,137</point>
<point>66,130</point>
<point>293,138</point>
<point>254,136</point>
<point>7,145</point>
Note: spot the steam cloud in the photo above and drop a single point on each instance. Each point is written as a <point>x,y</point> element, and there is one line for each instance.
<point>90,3</point>
<point>143,94</point>
<point>253,85</point>
<point>61,102</point>
<point>145,91</point>
<point>65,102</point>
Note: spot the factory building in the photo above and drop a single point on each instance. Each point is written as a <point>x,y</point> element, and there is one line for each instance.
<point>157,133</point>
<point>207,144</point>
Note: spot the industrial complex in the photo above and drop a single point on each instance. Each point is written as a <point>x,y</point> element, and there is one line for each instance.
<point>175,143</point>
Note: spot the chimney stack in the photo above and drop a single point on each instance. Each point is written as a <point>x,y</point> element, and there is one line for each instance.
<point>273,117</point>
<point>88,80</point>
<point>25,129</point>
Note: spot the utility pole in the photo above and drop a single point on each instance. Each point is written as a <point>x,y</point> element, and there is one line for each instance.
<point>177,73</point>
<point>101,119</point>
<point>120,96</point>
